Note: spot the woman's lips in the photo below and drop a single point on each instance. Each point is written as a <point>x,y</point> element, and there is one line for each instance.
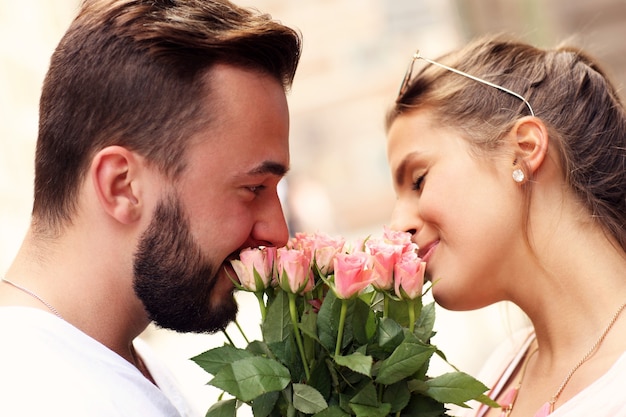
<point>427,252</point>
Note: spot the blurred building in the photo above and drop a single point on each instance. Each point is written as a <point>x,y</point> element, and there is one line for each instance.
<point>598,27</point>
<point>355,54</point>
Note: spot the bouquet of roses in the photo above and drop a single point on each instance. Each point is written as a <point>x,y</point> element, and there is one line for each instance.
<point>344,333</point>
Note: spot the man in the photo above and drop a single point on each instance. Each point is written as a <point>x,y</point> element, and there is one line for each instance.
<point>163,135</point>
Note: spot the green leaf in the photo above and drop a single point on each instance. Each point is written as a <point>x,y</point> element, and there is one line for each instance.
<point>487,401</point>
<point>421,406</point>
<point>366,396</point>
<point>308,329</point>
<point>213,360</point>
<point>226,408</point>
<point>398,395</point>
<point>426,323</point>
<point>277,326</point>
<point>259,348</point>
<point>370,297</point>
<point>357,362</point>
<point>367,411</point>
<point>455,388</point>
<point>307,399</point>
<point>364,322</point>
<point>390,334</point>
<point>263,405</point>
<point>417,385</point>
<point>258,281</point>
<point>332,411</point>
<point>308,323</point>
<point>403,362</point>
<point>321,378</point>
<point>328,321</point>
<point>248,378</point>
<point>399,310</point>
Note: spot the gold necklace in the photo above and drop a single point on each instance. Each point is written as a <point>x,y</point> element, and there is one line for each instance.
<point>32,294</point>
<point>548,407</point>
<point>508,401</point>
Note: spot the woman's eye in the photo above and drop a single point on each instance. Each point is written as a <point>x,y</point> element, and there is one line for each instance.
<point>417,184</point>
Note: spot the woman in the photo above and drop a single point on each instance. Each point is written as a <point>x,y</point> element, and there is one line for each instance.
<point>509,166</point>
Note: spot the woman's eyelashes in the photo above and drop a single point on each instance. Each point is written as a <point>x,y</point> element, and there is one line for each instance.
<point>418,183</point>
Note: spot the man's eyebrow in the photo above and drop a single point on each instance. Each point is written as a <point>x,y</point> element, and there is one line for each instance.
<point>269,167</point>
<point>399,174</point>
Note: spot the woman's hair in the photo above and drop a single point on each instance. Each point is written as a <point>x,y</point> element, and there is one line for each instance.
<point>567,90</point>
<point>134,73</point>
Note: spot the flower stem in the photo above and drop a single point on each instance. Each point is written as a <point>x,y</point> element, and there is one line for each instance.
<point>259,297</point>
<point>228,338</point>
<point>385,304</point>
<point>320,292</point>
<point>342,322</point>
<point>411,305</point>
<point>241,331</point>
<point>296,332</point>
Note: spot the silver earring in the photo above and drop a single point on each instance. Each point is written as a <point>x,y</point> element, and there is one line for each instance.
<point>518,175</point>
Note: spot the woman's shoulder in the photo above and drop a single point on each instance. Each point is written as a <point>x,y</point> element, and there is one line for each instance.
<point>604,397</point>
<point>506,356</point>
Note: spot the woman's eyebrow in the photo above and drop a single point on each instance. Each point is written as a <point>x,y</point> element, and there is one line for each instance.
<point>399,173</point>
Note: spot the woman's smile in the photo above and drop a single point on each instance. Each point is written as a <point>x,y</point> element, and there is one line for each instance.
<point>427,252</point>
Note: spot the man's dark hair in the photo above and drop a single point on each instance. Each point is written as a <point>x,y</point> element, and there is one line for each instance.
<point>136,73</point>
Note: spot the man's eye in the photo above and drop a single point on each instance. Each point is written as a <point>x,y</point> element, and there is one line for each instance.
<point>417,184</point>
<point>256,189</point>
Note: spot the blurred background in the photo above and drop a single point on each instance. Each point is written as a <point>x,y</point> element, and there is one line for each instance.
<point>355,54</point>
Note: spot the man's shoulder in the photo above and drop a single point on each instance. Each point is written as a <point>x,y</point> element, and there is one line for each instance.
<point>50,367</point>
<point>42,337</point>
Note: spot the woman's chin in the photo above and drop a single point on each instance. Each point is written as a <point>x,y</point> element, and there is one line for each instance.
<point>444,297</point>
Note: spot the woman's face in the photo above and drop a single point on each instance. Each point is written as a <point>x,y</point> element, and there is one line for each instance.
<point>464,210</point>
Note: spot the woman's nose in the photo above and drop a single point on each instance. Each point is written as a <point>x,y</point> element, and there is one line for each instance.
<point>404,217</point>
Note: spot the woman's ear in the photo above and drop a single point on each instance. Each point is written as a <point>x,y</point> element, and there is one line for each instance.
<point>530,141</point>
<point>114,172</point>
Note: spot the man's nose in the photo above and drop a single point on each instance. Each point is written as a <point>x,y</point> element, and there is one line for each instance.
<point>271,226</point>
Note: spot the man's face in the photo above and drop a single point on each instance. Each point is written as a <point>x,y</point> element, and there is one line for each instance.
<point>225,200</point>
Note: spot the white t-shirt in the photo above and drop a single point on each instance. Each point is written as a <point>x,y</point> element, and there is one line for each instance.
<point>50,368</point>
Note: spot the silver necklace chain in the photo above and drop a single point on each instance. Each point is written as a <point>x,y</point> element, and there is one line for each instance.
<point>32,294</point>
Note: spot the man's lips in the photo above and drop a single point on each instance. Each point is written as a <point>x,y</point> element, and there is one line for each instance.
<point>228,272</point>
<point>427,251</point>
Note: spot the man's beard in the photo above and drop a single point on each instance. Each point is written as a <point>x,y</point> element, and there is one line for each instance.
<point>174,280</point>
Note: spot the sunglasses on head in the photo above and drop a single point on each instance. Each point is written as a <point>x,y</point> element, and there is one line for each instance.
<point>409,73</point>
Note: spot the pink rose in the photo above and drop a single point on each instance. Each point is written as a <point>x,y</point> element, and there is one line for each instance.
<point>325,248</point>
<point>352,274</point>
<point>320,247</point>
<point>384,255</point>
<point>300,241</point>
<point>409,276</point>
<point>294,270</point>
<point>399,238</point>
<point>254,268</point>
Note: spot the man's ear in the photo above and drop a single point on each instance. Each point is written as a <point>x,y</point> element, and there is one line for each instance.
<point>530,141</point>
<point>114,172</point>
